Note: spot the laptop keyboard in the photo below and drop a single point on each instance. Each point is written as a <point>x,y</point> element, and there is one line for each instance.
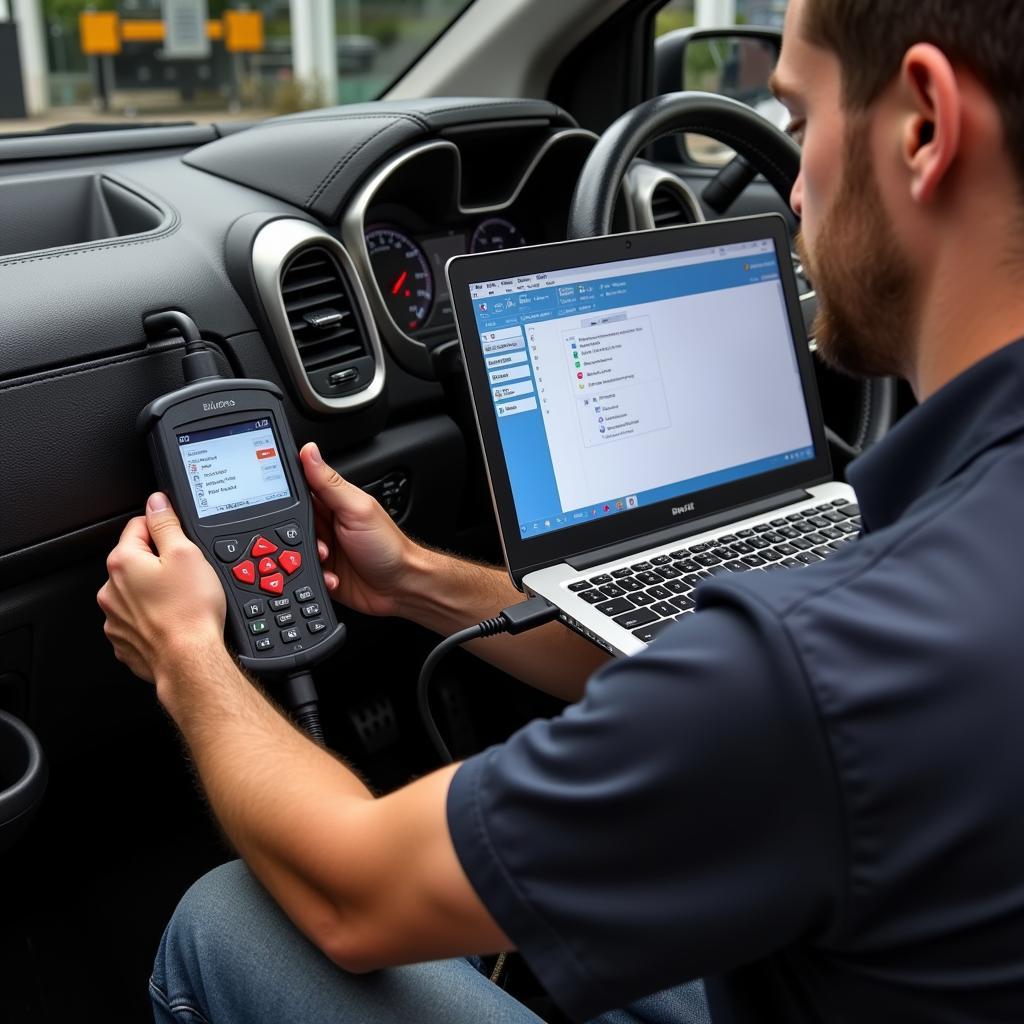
<point>647,597</point>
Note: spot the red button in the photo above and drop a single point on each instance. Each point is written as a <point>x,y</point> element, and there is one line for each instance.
<point>273,584</point>
<point>290,561</point>
<point>244,572</point>
<point>261,546</point>
<point>267,566</point>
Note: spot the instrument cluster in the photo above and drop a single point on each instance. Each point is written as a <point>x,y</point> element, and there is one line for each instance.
<point>408,267</point>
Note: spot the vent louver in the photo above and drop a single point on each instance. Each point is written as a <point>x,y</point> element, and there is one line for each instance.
<point>669,207</point>
<point>320,313</point>
<point>317,316</point>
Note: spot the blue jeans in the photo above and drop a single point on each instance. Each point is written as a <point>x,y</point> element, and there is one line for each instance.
<point>230,956</point>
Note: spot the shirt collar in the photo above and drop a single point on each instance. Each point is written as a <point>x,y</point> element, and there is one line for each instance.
<point>970,415</point>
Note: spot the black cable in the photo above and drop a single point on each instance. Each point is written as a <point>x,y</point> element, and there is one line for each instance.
<point>515,619</point>
<point>198,362</point>
<point>298,691</point>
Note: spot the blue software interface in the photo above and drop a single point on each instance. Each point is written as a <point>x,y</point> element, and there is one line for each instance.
<point>627,384</point>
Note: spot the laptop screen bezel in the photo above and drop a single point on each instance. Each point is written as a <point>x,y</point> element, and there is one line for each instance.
<point>527,555</point>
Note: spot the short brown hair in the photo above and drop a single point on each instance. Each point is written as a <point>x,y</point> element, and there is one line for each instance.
<point>871,37</point>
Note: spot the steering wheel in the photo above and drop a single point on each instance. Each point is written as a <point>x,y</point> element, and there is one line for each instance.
<point>768,150</point>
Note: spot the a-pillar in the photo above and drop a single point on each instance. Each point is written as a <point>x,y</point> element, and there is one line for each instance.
<point>35,70</point>
<point>314,47</point>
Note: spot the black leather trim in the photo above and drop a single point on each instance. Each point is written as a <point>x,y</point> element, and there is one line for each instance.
<point>75,457</point>
<point>47,147</point>
<point>314,160</point>
<point>170,222</point>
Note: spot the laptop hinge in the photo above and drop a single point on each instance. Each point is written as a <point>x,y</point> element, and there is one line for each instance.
<point>614,552</point>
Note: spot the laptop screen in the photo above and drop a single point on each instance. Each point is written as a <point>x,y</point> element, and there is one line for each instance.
<point>628,384</point>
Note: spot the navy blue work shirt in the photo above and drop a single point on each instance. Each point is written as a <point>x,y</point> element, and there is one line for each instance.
<point>811,793</point>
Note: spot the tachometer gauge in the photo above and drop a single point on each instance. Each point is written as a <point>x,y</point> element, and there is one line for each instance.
<point>496,233</point>
<point>403,276</point>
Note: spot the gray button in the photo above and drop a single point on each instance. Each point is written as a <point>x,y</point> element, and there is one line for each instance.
<point>229,549</point>
<point>290,533</point>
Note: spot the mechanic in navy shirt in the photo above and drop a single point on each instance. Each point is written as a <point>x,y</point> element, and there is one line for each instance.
<point>809,793</point>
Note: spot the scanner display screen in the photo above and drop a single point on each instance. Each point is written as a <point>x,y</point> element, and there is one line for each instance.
<point>233,467</point>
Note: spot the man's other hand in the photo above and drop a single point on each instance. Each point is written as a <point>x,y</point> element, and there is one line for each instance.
<point>160,604</point>
<point>367,559</point>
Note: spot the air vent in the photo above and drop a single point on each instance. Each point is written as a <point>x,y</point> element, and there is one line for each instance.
<point>670,207</point>
<point>324,323</point>
<point>317,313</point>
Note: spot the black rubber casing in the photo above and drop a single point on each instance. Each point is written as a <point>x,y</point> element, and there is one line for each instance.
<point>220,402</point>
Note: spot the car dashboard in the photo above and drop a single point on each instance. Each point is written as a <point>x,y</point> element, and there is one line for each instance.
<point>309,249</point>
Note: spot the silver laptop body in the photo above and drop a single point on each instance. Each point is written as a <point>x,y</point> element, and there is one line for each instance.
<point>649,418</point>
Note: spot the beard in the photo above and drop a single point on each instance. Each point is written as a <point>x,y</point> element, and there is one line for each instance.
<point>865,284</point>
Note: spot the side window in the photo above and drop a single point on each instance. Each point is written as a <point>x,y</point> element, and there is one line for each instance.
<point>726,47</point>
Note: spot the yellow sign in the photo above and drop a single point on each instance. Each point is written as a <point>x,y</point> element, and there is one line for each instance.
<point>243,31</point>
<point>142,30</point>
<point>100,32</point>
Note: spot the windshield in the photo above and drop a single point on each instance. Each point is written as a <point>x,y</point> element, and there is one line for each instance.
<point>77,65</point>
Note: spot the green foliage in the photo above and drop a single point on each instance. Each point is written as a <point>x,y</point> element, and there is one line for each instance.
<point>67,11</point>
<point>671,18</point>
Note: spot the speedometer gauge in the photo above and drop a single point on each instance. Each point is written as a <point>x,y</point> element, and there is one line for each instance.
<point>496,233</point>
<point>403,276</point>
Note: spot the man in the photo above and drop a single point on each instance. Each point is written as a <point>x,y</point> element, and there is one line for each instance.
<point>808,794</point>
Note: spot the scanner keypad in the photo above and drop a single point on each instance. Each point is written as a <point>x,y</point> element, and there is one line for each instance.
<point>261,564</point>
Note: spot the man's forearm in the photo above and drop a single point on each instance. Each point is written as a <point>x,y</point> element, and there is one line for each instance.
<point>447,594</point>
<point>266,783</point>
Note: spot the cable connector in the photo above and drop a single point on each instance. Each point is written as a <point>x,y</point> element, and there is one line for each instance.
<point>516,619</point>
<point>537,611</point>
<point>198,362</point>
<point>298,691</point>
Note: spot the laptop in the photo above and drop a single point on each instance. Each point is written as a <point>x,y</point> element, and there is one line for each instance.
<point>649,417</point>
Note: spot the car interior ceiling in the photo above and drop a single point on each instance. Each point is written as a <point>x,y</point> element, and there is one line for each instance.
<point>123,829</point>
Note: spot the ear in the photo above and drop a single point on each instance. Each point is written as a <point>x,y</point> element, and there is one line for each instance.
<point>933,119</point>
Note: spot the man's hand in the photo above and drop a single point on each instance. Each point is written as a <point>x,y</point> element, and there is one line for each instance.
<point>367,559</point>
<point>158,605</point>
